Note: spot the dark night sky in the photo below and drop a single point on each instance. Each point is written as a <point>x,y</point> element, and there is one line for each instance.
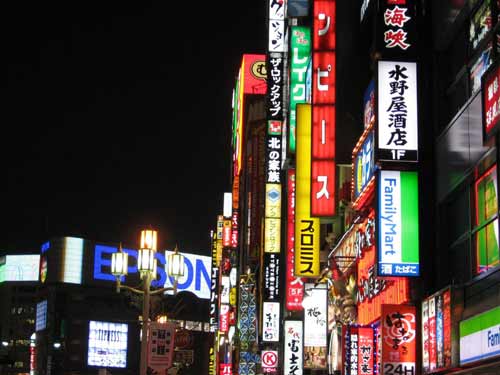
<point>117,115</point>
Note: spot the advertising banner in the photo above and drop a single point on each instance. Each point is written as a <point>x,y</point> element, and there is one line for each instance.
<point>294,285</point>
<point>272,274</point>
<point>480,337</point>
<point>276,26</point>
<point>107,344</point>
<point>398,330</point>
<point>274,105</point>
<point>397,125</point>
<point>363,164</point>
<point>490,92</point>
<point>306,227</point>
<point>293,356</point>
<point>315,315</point>
<point>323,109</point>
<point>300,51</point>
<point>271,321</point>
<point>397,32</point>
<point>398,224</point>
<point>161,346</point>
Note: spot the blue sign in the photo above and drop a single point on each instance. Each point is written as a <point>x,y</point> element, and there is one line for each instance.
<point>364,165</point>
<point>196,277</point>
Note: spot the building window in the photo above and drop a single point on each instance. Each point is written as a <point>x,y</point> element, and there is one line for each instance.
<point>486,221</point>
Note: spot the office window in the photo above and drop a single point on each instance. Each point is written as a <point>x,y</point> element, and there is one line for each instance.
<point>486,221</point>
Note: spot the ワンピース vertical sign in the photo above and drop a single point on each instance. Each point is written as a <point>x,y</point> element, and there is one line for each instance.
<point>323,109</point>
<point>306,226</point>
<point>398,223</point>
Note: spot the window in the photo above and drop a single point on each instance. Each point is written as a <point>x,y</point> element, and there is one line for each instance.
<point>486,221</point>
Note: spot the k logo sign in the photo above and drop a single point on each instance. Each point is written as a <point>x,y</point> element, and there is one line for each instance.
<point>196,277</point>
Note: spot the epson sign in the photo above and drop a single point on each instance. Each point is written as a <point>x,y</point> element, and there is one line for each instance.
<point>196,277</point>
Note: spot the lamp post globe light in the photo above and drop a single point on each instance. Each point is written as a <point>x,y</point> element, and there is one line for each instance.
<point>146,264</point>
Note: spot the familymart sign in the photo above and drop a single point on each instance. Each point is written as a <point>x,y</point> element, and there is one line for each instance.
<point>480,337</point>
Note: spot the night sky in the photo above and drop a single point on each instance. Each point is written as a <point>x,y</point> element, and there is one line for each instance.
<point>117,116</point>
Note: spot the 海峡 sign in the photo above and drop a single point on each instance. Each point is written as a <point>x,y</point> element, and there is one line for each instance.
<point>397,223</point>
<point>480,337</point>
<point>397,122</point>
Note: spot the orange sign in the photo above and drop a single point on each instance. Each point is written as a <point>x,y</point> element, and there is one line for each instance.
<point>398,339</point>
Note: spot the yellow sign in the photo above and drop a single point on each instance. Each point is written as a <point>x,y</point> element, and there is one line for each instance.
<point>272,235</point>
<point>232,296</point>
<point>306,227</point>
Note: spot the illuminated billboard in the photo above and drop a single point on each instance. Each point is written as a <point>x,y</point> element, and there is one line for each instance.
<point>41,316</point>
<point>397,134</point>
<point>196,279</point>
<point>19,267</point>
<point>306,227</point>
<point>323,166</point>
<point>398,224</point>
<point>72,260</point>
<point>107,344</point>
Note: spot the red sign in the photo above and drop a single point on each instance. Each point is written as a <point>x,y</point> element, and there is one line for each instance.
<point>225,369</point>
<point>491,102</point>
<point>373,291</point>
<point>294,285</point>
<point>366,350</point>
<point>269,358</point>
<point>224,318</point>
<point>183,339</point>
<point>324,25</point>
<point>323,110</point>
<point>226,233</point>
<point>398,339</point>
<point>255,74</point>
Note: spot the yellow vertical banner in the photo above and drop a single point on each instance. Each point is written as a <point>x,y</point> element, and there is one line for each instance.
<point>306,227</point>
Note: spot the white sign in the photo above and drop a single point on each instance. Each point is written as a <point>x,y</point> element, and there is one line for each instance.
<point>107,344</point>
<point>20,267</point>
<point>269,358</point>
<point>271,322</point>
<point>224,290</point>
<point>293,356</point>
<point>397,111</point>
<point>315,315</point>
<point>276,26</point>
<point>480,337</point>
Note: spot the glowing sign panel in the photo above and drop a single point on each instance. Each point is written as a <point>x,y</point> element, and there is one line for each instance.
<point>107,344</point>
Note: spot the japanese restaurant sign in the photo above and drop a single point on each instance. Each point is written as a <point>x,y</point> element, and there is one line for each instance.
<point>300,50</point>
<point>315,315</point>
<point>306,227</point>
<point>323,109</point>
<point>293,356</point>
<point>398,330</point>
<point>397,125</point>
<point>398,223</point>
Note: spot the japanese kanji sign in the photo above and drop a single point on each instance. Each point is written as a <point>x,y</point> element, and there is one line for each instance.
<point>397,125</point>
<point>315,315</point>
<point>293,356</point>
<point>160,345</point>
<point>270,321</point>
<point>491,101</point>
<point>397,28</point>
<point>323,109</point>
<point>398,339</point>
<point>306,227</point>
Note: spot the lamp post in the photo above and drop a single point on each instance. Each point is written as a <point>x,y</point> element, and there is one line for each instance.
<point>146,264</point>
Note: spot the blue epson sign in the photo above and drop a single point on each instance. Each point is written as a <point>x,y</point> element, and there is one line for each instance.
<point>196,277</point>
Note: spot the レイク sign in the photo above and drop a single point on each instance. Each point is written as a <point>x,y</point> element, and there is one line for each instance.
<point>398,223</point>
<point>397,130</point>
<point>480,337</point>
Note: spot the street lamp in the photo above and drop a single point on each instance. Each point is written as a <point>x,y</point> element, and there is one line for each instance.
<point>146,264</point>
